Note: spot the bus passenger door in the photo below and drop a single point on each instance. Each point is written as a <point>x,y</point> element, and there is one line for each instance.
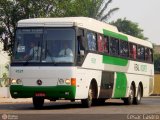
<point>107,82</point>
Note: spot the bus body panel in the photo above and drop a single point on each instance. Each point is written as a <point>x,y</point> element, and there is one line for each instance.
<point>52,78</point>
<point>86,73</point>
<point>48,75</point>
<point>84,78</point>
<point>147,82</point>
<point>133,71</point>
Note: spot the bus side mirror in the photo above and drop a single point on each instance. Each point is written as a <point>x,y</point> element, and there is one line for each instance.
<point>82,52</point>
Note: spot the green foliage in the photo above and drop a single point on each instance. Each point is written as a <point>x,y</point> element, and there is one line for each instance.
<point>93,8</point>
<point>129,27</point>
<point>11,11</point>
<point>4,82</point>
<point>157,62</point>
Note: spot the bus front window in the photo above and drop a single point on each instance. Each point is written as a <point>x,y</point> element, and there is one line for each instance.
<point>46,45</point>
<point>28,45</point>
<point>59,45</point>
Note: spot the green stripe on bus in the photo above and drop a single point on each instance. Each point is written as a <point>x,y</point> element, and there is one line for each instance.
<point>56,92</point>
<point>115,35</point>
<point>121,85</point>
<point>114,60</point>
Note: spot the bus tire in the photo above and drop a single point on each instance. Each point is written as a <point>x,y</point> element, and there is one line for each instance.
<point>88,102</point>
<point>137,100</point>
<point>129,100</point>
<point>38,102</point>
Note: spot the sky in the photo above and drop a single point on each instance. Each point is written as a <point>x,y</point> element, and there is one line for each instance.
<point>144,12</point>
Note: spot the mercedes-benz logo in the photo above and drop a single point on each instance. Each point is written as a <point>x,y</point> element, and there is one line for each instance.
<point>39,82</point>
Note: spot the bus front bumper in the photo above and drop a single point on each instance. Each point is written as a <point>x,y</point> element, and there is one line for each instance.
<point>48,92</point>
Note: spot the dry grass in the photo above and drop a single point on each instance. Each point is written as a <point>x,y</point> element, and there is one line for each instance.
<point>156,84</point>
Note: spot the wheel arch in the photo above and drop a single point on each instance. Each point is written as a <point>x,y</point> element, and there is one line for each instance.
<point>94,85</point>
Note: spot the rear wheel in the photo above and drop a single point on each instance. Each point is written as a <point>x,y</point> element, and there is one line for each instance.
<point>38,102</point>
<point>137,100</point>
<point>88,102</point>
<point>129,100</point>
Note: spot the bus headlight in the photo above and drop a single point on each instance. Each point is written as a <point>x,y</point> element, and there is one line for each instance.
<point>16,81</point>
<point>68,81</point>
<point>71,81</point>
<point>60,81</point>
<point>19,81</point>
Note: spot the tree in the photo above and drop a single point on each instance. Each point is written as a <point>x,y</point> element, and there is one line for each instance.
<point>157,62</point>
<point>97,9</point>
<point>1,30</point>
<point>129,27</point>
<point>11,11</point>
<point>156,58</point>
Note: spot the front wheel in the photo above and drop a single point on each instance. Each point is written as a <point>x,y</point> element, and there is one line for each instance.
<point>38,102</point>
<point>88,102</point>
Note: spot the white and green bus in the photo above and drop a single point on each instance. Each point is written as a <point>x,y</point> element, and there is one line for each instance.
<point>100,62</point>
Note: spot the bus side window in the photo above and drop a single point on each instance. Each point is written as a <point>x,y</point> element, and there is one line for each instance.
<point>114,46</point>
<point>140,52</point>
<point>106,44</point>
<point>100,42</point>
<point>123,48</point>
<point>91,37</point>
<point>133,51</point>
<point>148,55</point>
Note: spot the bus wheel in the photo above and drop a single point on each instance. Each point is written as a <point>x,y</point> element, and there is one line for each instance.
<point>88,102</point>
<point>137,100</point>
<point>38,102</point>
<point>129,100</point>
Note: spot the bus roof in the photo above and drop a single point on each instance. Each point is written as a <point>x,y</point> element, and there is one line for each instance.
<point>138,40</point>
<point>83,22</point>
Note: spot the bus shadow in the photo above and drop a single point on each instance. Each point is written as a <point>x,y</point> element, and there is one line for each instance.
<point>55,105</point>
<point>15,106</point>
<point>69,105</point>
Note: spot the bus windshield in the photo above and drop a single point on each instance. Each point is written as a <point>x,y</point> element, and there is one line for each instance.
<point>46,45</point>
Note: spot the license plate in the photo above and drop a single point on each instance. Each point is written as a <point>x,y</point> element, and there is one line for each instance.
<point>40,94</point>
